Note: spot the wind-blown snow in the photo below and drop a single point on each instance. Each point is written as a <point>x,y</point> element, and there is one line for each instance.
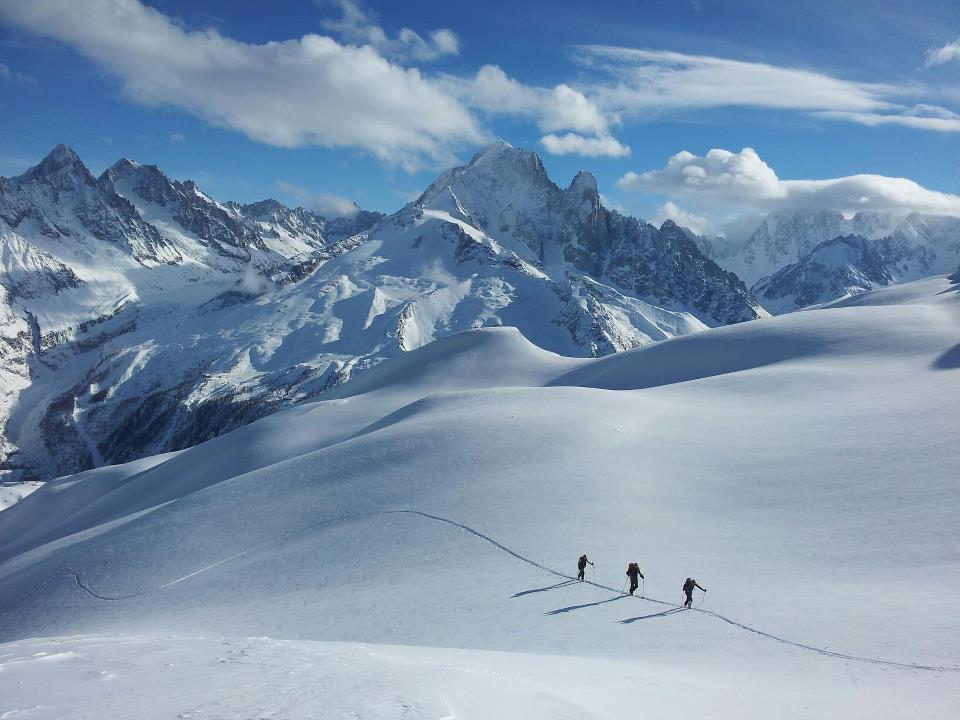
<point>802,468</point>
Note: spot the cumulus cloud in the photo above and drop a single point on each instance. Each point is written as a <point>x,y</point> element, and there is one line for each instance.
<point>564,108</point>
<point>720,175</point>
<point>313,90</point>
<point>324,204</point>
<point>574,144</point>
<point>722,181</point>
<point>943,55</point>
<point>555,109</point>
<point>358,25</point>
<point>648,82</point>
<point>496,92</point>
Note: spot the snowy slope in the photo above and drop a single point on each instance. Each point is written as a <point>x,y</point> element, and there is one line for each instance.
<point>245,309</point>
<point>802,468</point>
<point>12,493</point>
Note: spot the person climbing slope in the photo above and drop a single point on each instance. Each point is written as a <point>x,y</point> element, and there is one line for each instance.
<point>582,566</point>
<point>688,587</point>
<point>633,571</point>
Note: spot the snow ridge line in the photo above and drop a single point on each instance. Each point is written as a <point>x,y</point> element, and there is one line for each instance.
<point>546,568</point>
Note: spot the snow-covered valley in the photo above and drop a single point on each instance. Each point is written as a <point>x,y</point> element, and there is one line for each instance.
<point>404,547</point>
<point>142,316</point>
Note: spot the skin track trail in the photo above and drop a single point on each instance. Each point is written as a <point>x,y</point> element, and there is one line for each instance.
<point>529,561</point>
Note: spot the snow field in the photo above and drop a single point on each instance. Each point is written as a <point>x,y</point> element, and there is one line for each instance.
<point>802,468</point>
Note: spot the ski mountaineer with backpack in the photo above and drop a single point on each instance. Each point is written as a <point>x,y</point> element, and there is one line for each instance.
<point>582,566</point>
<point>688,587</point>
<point>633,570</point>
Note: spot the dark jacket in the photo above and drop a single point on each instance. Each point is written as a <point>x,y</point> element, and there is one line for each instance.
<point>633,570</point>
<point>690,584</point>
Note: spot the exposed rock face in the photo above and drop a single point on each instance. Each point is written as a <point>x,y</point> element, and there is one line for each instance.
<point>506,193</point>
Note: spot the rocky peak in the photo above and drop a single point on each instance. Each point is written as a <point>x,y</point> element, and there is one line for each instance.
<point>62,168</point>
<point>498,170</point>
<point>121,168</point>
<point>148,182</point>
<point>584,183</point>
<point>268,208</point>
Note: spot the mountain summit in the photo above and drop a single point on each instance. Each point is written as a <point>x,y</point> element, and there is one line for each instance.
<point>183,317</point>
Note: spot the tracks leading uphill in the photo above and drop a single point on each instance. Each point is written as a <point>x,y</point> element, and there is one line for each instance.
<point>529,561</point>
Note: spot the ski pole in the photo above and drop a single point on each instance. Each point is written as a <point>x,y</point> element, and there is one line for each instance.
<point>643,587</point>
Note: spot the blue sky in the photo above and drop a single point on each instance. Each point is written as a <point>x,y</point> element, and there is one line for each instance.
<point>368,101</point>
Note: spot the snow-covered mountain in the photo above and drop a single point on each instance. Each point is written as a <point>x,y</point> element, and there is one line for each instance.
<point>405,547</point>
<point>144,316</point>
<point>834,269</point>
<point>505,192</point>
<point>913,246</point>
<point>87,262</point>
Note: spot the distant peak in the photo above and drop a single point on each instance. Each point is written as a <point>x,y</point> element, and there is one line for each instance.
<point>125,168</point>
<point>63,153</point>
<point>265,208</point>
<point>61,161</point>
<point>126,163</point>
<point>121,167</point>
<point>492,150</point>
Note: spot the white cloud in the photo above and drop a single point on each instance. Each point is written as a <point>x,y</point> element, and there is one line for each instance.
<point>722,182</point>
<point>358,25</point>
<point>177,138</point>
<point>671,211</point>
<point>324,204</point>
<point>292,93</point>
<point>646,82</point>
<point>945,54</point>
<point>555,109</point>
<point>940,120</point>
<point>492,90</point>
<point>574,144</point>
<point>564,108</point>
<point>719,175</point>
<point>7,74</point>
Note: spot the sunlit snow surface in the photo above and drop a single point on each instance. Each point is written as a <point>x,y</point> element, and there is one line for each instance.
<point>802,468</point>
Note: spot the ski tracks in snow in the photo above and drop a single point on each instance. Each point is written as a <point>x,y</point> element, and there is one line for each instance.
<point>529,561</point>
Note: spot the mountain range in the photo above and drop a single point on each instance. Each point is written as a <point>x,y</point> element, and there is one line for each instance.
<point>139,315</point>
<point>793,260</point>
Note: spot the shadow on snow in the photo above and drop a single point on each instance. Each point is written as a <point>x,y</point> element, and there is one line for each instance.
<point>671,611</point>
<point>585,605</point>
<point>543,589</point>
